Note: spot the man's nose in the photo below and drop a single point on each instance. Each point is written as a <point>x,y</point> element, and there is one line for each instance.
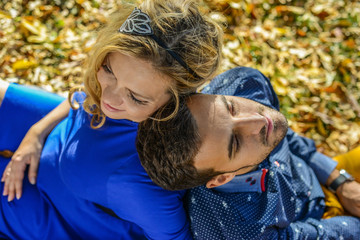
<point>250,124</point>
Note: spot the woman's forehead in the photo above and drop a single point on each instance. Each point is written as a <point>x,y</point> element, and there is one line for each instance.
<point>139,76</point>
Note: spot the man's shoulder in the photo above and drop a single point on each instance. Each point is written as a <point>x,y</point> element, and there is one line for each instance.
<point>228,82</point>
<point>244,82</point>
<point>201,198</point>
<point>218,215</point>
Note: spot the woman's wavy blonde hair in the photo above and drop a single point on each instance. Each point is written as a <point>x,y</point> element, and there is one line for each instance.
<point>196,38</point>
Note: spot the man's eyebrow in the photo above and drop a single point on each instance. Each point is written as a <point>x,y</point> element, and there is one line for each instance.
<point>243,167</point>
<point>231,140</point>
<point>132,92</point>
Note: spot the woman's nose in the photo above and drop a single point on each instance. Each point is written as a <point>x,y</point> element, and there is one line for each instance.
<point>113,95</point>
<point>250,124</point>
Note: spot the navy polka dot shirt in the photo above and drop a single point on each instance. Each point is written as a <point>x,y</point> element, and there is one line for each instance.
<point>282,199</point>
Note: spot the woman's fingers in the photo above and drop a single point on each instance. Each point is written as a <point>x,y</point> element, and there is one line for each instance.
<point>13,178</point>
<point>17,175</point>
<point>34,165</point>
<point>5,179</point>
<point>18,189</point>
<point>11,194</point>
<point>5,172</point>
<point>28,153</point>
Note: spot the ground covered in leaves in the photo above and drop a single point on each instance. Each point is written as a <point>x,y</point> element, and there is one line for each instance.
<point>308,48</point>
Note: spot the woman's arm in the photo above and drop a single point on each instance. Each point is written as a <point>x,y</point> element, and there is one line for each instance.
<point>3,87</point>
<point>29,151</point>
<point>47,124</point>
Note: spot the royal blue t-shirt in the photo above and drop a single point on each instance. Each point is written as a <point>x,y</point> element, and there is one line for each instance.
<point>80,169</point>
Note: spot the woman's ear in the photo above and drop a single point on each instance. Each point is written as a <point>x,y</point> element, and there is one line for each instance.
<point>220,180</point>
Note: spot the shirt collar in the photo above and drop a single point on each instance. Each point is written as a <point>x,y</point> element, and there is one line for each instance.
<point>250,182</point>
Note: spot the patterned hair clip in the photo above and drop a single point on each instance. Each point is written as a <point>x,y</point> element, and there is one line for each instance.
<point>138,23</point>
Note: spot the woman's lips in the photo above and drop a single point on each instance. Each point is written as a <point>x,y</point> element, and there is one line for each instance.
<point>110,108</point>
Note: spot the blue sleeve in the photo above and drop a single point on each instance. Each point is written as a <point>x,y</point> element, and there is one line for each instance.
<point>135,198</point>
<point>342,227</point>
<point>22,107</point>
<point>207,226</point>
<point>305,149</point>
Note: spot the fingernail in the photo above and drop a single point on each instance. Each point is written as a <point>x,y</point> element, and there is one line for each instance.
<point>17,196</point>
<point>32,180</point>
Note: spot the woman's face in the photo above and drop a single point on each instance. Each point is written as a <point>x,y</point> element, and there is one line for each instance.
<point>131,88</point>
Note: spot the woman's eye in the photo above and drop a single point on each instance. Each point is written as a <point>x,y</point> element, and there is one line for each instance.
<point>107,69</point>
<point>135,100</point>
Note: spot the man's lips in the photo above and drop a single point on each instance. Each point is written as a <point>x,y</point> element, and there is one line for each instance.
<point>110,108</point>
<point>269,126</point>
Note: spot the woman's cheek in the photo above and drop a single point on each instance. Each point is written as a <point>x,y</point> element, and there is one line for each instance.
<point>132,110</point>
<point>140,114</point>
<point>101,77</point>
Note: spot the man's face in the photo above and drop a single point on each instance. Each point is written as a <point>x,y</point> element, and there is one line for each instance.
<point>235,132</point>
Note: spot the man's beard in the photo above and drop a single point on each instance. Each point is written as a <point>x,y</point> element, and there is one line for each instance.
<point>280,127</point>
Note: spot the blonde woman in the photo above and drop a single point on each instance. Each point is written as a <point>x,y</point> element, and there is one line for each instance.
<point>84,179</point>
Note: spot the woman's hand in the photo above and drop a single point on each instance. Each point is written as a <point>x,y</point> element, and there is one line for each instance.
<point>28,153</point>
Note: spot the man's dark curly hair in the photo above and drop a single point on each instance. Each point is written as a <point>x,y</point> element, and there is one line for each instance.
<point>167,149</point>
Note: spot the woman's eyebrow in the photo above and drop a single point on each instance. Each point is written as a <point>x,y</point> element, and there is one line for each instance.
<point>150,99</point>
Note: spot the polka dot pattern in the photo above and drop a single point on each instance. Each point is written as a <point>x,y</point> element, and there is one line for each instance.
<point>293,203</point>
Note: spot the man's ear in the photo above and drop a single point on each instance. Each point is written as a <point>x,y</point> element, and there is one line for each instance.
<point>220,180</point>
